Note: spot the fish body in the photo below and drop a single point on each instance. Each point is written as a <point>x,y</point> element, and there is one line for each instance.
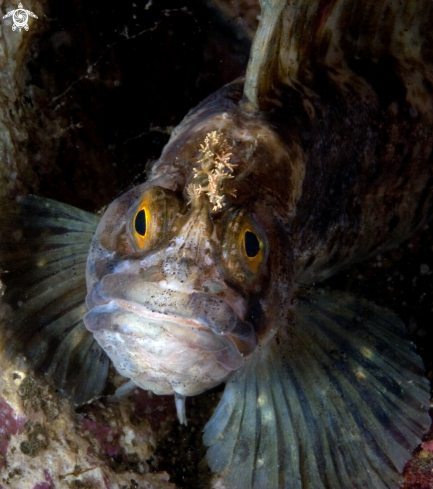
<point>318,159</point>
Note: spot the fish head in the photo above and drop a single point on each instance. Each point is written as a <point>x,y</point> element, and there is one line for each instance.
<point>181,291</point>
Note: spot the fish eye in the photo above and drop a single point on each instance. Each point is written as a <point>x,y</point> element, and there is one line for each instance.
<point>140,222</point>
<point>141,229</point>
<point>244,248</point>
<point>149,219</point>
<point>251,244</point>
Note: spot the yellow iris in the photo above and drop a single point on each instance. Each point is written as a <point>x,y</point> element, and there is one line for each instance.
<point>141,226</point>
<point>252,248</point>
<point>244,249</point>
<point>150,218</point>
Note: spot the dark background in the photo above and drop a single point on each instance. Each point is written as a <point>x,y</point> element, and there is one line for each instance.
<point>108,81</point>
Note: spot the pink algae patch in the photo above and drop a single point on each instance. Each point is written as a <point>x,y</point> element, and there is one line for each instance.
<point>427,445</point>
<point>106,437</point>
<point>9,426</point>
<point>156,409</point>
<point>49,484</point>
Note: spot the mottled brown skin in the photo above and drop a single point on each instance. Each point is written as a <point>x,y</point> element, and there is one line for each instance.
<point>259,154</point>
<point>367,157</point>
<point>369,173</point>
<point>351,83</point>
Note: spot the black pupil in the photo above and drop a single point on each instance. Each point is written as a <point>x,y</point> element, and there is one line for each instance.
<point>140,223</point>
<point>252,244</point>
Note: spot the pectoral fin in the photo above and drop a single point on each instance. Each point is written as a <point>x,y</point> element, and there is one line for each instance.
<point>43,253</point>
<point>338,402</point>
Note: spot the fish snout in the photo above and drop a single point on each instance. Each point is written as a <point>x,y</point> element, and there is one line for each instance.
<point>162,353</point>
<point>184,272</point>
<point>167,339</point>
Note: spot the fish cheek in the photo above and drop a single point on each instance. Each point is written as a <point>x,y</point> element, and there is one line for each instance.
<point>111,243</point>
<point>268,284</point>
<point>112,232</point>
<point>276,296</point>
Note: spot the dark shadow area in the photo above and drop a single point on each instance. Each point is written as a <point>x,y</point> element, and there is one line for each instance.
<point>108,82</point>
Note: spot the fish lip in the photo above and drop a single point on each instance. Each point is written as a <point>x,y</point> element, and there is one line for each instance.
<point>146,313</point>
<point>227,342</point>
<point>242,336</point>
<point>93,299</point>
<point>199,310</point>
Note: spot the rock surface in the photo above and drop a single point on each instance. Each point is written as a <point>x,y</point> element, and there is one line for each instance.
<point>45,444</point>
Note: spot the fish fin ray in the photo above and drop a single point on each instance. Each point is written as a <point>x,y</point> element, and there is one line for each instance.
<point>323,405</point>
<point>228,415</point>
<point>43,252</point>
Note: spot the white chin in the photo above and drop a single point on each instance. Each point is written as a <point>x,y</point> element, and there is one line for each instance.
<point>160,353</point>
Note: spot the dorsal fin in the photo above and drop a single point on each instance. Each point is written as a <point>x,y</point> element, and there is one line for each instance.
<point>297,39</point>
<point>263,57</point>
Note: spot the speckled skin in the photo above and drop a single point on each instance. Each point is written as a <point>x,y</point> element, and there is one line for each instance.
<point>171,277</point>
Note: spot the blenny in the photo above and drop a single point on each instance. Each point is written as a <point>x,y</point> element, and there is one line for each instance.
<point>207,272</point>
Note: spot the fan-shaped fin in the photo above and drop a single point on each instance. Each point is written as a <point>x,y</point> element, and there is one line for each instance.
<point>298,41</point>
<point>43,253</point>
<point>340,402</point>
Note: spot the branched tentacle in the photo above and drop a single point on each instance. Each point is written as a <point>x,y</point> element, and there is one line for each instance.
<point>216,168</point>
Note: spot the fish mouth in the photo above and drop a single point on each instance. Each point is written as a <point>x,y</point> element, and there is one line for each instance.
<point>194,333</point>
<point>146,313</point>
<point>165,340</point>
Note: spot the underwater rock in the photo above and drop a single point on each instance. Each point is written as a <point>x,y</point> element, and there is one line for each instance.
<point>418,472</point>
<point>15,117</point>
<point>45,444</point>
<point>76,105</point>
